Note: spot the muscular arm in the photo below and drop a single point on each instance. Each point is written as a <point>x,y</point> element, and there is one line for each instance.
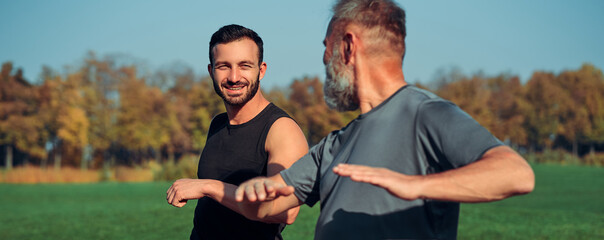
<point>186,189</point>
<point>499,174</point>
<point>285,144</point>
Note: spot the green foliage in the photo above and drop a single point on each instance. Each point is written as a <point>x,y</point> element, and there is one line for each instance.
<point>186,167</point>
<point>552,156</point>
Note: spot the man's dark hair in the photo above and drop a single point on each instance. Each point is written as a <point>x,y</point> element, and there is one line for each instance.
<point>234,32</point>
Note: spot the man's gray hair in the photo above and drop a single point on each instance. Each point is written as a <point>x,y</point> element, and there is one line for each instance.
<point>384,20</point>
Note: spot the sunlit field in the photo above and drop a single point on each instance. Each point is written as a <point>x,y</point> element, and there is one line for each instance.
<point>568,203</point>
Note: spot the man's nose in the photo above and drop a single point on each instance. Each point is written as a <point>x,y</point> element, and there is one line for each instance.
<point>234,75</point>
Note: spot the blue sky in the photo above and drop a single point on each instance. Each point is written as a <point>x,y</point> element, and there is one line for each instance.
<point>513,37</point>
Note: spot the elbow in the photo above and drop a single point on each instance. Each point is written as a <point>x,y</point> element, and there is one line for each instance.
<point>291,215</point>
<point>523,179</point>
<point>524,183</point>
<point>290,221</point>
<point>527,185</point>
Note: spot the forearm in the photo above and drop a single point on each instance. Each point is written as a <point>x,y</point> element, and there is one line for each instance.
<point>224,194</point>
<point>258,210</point>
<point>501,173</point>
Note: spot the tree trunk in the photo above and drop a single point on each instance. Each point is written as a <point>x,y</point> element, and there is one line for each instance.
<point>57,154</point>
<point>575,150</point>
<point>44,162</point>
<point>86,157</point>
<point>57,159</point>
<point>592,150</point>
<point>157,155</point>
<point>83,163</point>
<point>171,156</point>
<point>9,157</point>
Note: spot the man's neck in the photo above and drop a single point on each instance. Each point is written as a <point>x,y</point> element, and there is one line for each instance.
<point>240,114</point>
<point>376,84</point>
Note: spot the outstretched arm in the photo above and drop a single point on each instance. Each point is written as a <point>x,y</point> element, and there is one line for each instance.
<point>261,197</point>
<point>285,144</point>
<point>499,174</point>
<point>187,189</point>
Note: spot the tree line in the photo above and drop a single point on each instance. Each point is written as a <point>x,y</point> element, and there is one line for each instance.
<point>112,111</point>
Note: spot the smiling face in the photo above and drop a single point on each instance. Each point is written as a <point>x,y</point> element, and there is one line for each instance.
<point>236,72</point>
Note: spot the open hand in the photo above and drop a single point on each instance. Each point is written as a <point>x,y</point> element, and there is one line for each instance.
<point>398,184</point>
<point>261,189</point>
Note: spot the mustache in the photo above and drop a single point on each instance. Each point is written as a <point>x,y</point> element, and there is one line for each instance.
<point>237,83</point>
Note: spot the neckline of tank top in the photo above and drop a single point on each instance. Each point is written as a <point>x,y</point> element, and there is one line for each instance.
<point>230,126</point>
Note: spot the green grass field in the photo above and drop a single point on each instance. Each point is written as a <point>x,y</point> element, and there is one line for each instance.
<point>568,203</point>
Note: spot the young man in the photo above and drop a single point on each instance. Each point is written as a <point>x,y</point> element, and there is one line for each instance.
<point>401,168</point>
<point>253,138</point>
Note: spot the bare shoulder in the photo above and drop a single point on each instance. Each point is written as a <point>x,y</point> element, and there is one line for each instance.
<point>286,133</point>
<point>284,124</point>
<point>285,144</point>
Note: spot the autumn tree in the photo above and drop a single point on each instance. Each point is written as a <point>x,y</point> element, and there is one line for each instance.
<point>100,101</point>
<point>509,108</point>
<point>66,122</point>
<point>548,100</point>
<point>310,111</point>
<point>141,120</point>
<point>472,95</point>
<point>19,126</point>
<point>582,112</point>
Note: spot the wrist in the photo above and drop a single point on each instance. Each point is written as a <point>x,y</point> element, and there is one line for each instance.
<point>209,188</point>
<point>421,183</point>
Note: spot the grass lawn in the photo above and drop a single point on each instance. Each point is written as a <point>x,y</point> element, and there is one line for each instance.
<point>568,203</point>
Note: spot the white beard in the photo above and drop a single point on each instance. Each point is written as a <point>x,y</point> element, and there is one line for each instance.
<point>339,92</point>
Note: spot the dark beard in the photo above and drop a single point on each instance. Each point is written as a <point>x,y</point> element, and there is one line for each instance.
<point>254,86</point>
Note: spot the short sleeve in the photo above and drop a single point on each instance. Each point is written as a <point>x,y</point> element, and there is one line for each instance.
<point>304,175</point>
<point>452,136</point>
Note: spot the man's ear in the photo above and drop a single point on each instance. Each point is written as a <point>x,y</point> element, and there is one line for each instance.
<point>348,45</point>
<point>210,71</point>
<point>262,71</point>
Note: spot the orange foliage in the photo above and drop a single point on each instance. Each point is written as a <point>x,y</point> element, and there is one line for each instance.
<point>33,174</point>
<point>128,174</point>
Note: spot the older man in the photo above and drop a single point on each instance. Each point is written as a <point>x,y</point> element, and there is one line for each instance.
<point>400,169</point>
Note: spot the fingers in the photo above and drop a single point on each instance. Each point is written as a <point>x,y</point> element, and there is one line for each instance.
<point>261,190</point>
<point>180,203</point>
<point>360,173</point>
<point>172,196</point>
<point>246,190</point>
<point>347,170</point>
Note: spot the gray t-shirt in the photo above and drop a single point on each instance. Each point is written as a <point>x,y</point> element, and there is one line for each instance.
<point>412,132</point>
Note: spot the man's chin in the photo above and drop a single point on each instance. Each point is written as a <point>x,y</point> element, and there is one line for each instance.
<point>235,101</point>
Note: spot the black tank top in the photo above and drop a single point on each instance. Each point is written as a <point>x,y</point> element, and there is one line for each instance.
<point>234,154</point>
